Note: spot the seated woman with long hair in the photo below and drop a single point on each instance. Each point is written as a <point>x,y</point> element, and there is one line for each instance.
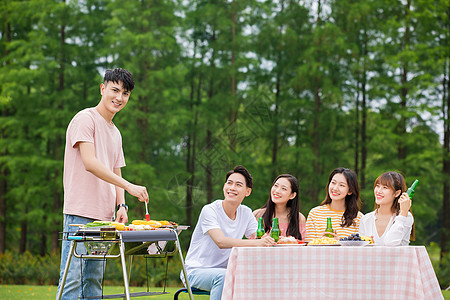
<point>283,203</point>
<point>341,204</point>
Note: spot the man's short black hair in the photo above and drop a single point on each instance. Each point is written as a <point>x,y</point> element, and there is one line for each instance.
<point>243,171</point>
<point>119,74</point>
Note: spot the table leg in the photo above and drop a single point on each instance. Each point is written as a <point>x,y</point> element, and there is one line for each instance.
<point>66,270</point>
<point>124,270</point>
<point>130,262</point>
<point>186,280</point>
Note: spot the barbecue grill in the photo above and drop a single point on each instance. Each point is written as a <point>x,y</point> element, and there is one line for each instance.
<point>105,242</point>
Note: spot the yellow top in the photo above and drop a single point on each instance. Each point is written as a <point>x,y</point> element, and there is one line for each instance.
<point>317,222</point>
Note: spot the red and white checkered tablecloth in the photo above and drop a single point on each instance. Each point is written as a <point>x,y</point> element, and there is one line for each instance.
<point>330,272</point>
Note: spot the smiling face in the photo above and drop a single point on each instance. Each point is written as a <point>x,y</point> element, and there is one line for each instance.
<point>338,188</point>
<point>114,97</point>
<point>385,195</point>
<point>281,191</point>
<point>235,189</point>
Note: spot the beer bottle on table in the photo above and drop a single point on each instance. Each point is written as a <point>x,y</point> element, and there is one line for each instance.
<point>329,228</point>
<point>412,189</point>
<point>275,231</point>
<point>260,232</point>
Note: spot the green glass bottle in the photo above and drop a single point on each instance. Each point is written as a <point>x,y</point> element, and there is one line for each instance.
<point>275,231</point>
<point>260,232</point>
<point>329,228</point>
<point>412,189</point>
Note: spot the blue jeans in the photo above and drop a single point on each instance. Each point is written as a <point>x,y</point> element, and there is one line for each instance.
<point>90,284</point>
<point>208,280</point>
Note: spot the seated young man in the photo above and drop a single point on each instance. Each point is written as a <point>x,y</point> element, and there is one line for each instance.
<point>221,226</point>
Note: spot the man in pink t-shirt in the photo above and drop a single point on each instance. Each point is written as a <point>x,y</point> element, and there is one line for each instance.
<point>93,183</point>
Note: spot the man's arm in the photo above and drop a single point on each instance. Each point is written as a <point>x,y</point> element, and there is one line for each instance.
<point>224,242</point>
<point>94,166</point>
<point>121,214</point>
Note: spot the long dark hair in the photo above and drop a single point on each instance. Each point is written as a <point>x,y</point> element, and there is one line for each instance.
<point>396,182</point>
<point>352,201</point>
<point>292,204</point>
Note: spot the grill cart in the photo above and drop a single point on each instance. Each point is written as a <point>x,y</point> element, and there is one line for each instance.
<point>105,242</point>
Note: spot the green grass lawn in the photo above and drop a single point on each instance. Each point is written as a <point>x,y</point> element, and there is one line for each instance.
<point>45,292</point>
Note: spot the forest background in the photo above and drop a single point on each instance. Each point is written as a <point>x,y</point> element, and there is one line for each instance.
<point>298,87</point>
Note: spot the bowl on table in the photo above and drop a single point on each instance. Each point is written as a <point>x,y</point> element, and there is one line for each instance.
<point>354,243</point>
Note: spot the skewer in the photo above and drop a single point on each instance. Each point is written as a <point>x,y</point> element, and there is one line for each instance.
<point>147,215</point>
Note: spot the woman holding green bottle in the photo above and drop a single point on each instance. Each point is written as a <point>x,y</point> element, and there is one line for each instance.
<point>391,223</point>
<point>283,203</point>
<point>342,204</point>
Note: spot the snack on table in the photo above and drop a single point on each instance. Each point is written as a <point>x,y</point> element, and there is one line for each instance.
<point>133,227</point>
<point>152,223</point>
<point>119,226</point>
<point>287,240</point>
<point>367,238</point>
<point>323,241</point>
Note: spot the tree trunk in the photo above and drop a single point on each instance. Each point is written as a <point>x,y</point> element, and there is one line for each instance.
<point>315,187</point>
<point>357,125</point>
<point>209,187</point>
<point>4,169</point>
<point>362,172</point>
<point>316,130</point>
<point>233,107</point>
<point>23,236</point>
<point>404,93</point>
<point>57,150</point>
<point>191,142</point>
<point>445,235</point>
<point>275,130</point>
<point>43,241</point>
<point>209,139</point>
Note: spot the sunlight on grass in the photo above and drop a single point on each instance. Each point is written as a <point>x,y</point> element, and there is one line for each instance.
<point>38,292</point>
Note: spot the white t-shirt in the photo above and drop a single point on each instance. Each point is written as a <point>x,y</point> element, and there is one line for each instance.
<point>86,195</point>
<point>203,252</point>
<point>397,231</point>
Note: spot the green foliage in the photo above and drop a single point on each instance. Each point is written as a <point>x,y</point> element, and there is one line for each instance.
<point>440,265</point>
<point>300,74</point>
<point>27,268</point>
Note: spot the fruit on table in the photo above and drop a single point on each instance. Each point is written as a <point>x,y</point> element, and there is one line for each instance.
<point>352,237</point>
<point>323,241</point>
<point>357,237</point>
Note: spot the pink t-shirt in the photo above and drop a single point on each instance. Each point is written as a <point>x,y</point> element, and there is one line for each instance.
<point>283,226</point>
<point>85,194</point>
<point>301,227</point>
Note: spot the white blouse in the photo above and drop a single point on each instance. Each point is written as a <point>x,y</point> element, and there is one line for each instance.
<point>397,231</point>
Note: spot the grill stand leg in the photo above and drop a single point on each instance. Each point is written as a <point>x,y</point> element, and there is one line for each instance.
<point>124,270</point>
<point>130,262</point>
<point>186,280</point>
<point>66,269</point>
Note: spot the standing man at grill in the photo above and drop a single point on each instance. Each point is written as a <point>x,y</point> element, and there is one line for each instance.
<point>93,183</point>
<point>221,226</point>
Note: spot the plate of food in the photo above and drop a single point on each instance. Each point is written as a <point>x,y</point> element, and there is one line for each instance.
<point>355,240</point>
<point>354,243</point>
<point>324,241</point>
<point>288,241</point>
